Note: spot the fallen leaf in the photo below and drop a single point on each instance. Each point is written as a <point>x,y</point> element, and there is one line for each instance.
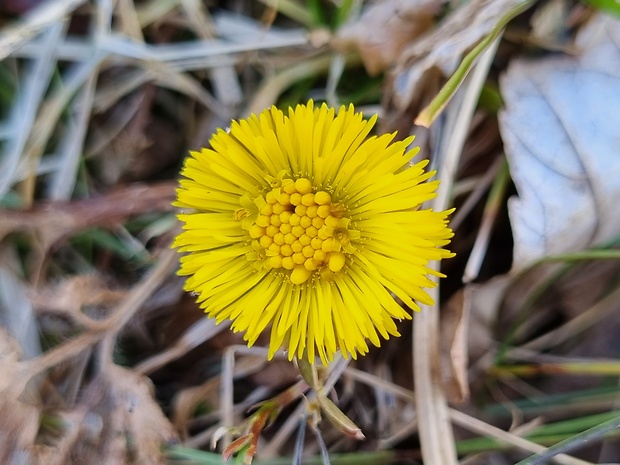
<point>187,401</point>
<point>116,421</point>
<point>560,132</point>
<point>484,302</point>
<point>17,315</point>
<point>72,295</point>
<point>454,348</point>
<point>394,24</point>
<point>549,21</point>
<point>443,49</point>
<point>19,422</point>
<point>56,220</point>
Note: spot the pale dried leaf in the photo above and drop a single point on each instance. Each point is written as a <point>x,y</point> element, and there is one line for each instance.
<point>46,14</point>
<point>186,401</point>
<point>560,131</point>
<point>444,48</point>
<point>116,421</point>
<point>199,332</point>
<point>394,23</point>
<point>483,303</point>
<point>56,220</point>
<point>83,298</point>
<point>549,21</point>
<point>16,310</point>
<point>29,97</point>
<point>69,155</point>
<point>145,422</point>
<point>19,421</point>
<point>454,349</point>
<point>129,24</point>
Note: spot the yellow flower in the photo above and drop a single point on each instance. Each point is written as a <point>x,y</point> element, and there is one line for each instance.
<point>304,226</point>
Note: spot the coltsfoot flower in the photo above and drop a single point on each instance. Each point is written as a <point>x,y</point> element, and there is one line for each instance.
<point>302,225</point>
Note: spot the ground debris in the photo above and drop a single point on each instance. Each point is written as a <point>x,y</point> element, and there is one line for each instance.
<point>116,421</point>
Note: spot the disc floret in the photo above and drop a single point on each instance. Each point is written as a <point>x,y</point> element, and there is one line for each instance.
<point>302,230</point>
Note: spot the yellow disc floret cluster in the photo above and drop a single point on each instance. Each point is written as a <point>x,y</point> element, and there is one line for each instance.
<point>302,230</point>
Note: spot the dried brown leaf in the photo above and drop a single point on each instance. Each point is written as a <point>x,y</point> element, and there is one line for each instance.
<point>19,421</point>
<point>145,422</point>
<point>483,302</point>
<point>394,25</point>
<point>17,315</point>
<point>454,348</point>
<point>442,50</point>
<point>549,21</point>
<point>54,221</point>
<point>116,421</point>
<point>187,400</point>
<point>73,294</point>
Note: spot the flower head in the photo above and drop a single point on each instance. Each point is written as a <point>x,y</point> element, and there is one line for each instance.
<point>302,225</point>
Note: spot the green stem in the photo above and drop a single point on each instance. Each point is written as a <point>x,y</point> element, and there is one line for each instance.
<point>434,109</point>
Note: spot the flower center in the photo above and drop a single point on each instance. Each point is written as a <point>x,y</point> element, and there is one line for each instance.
<point>302,230</point>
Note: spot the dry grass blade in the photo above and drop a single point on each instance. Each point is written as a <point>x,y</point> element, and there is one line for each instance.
<point>292,10</point>
<point>226,85</point>
<point>435,432</point>
<point>186,56</point>
<point>171,78</point>
<point>113,324</point>
<point>116,417</point>
<point>109,93</point>
<point>577,325</point>
<point>436,438</point>
<point>479,186</point>
<point>49,115</point>
<point>478,426</point>
<point>54,221</point>
<point>491,211</point>
<point>51,12</point>
<point>27,103</point>
<point>378,383</point>
<point>20,418</point>
<point>274,86</point>
<point>150,11</point>
<point>128,20</point>
<point>63,180</point>
<point>201,331</point>
<point>16,309</point>
<point>229,372</point>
